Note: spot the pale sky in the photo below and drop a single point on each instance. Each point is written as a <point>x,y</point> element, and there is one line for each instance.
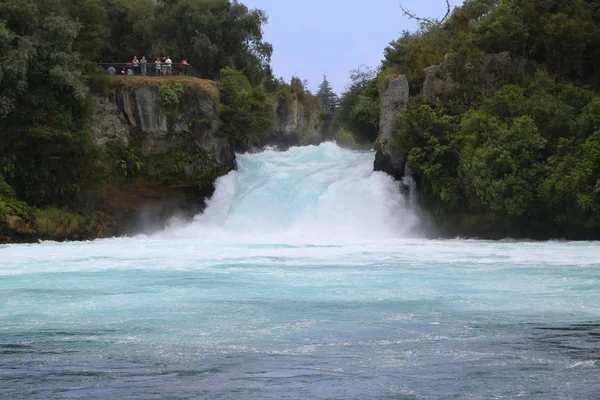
<point>331,37</point>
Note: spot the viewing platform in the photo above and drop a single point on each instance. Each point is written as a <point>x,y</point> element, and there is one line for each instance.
<point>121,69</point>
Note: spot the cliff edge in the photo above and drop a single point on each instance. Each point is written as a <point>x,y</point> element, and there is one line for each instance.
<point>162,139</point>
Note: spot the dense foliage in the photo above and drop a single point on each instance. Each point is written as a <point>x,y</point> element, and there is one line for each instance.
<point>359,105</point>
<point>561,35</point>
<point>245,111</point>
<point>212,34</point>
<point>524,161</point>
<point>46,153</point>
<point>50,49</point>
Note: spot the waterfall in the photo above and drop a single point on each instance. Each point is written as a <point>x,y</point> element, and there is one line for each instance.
<point>307,193</point>
<point>409,185</point>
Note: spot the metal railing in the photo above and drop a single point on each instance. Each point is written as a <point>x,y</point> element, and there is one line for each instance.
<point>151,70</point>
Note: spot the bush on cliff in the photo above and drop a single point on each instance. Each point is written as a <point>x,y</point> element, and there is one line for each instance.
<point>9,205</point>
<point>18,218</point>
<point>57,223</point>
<point>169,96</point>
<point>245,112</point>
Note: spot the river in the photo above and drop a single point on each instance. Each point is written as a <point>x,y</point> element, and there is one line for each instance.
<point>307,277</point>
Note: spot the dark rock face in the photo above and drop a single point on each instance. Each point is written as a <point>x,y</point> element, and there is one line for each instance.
<point>393,101</point>
<point>281,142</point>
<point>143,205</point>
<point>438,80</point>
<point>179,148</point>
<point>383,163</point>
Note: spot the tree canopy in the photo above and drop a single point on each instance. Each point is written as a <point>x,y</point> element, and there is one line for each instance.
<point>50,49</point>
<point>359,106</point>
<point>523,161</point>
<point>212,34</point>
<point>326,96</point>
<point>518,160</point>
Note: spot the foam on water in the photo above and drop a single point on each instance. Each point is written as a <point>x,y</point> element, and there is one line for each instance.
<point>308,194</point>
<point>306,277</point>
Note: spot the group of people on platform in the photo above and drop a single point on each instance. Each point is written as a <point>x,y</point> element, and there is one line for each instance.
<point>161,67</point>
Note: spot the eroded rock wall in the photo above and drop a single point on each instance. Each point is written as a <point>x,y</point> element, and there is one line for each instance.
<point>176,153</point>
<point>297,123</point>
<point>133,117</point>
<point>394,99</point>
<point>485,74</point>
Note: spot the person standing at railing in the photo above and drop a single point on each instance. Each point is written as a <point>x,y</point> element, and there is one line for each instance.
<point>169,62</point>
<point>136,65</point>
<point>157,65</point>
<point>185,66</point>
<point>111,71</point>
<point>181,67</point>
<point>144,65</point>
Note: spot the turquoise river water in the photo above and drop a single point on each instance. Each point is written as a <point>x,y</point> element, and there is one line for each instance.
<point>305,278</point>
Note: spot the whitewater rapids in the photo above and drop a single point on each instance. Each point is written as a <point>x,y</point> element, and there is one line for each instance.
<point>311,194</point>
<point>306,277</point>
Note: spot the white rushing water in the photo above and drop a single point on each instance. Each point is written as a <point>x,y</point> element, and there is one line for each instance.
<point>306,277</point>
<point>308,194</point>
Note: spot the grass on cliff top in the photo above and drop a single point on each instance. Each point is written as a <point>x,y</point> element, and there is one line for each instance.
<point>135,82</point>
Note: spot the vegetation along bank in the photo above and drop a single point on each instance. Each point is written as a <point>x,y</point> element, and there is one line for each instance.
<point>495,111</point>
<point>85,155</point>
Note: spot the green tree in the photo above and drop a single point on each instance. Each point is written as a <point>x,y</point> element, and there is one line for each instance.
<point>245,111</point>
<point>213,34</point>
<point>430,143</point>
<point>502,171</point>
<point>326,96</point>
<point>45,144</point>
<point>94,33</point>
<point>359,106</point>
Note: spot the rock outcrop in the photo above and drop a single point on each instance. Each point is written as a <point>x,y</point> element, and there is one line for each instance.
<point>297,123</point>
<point>394,99</point>
<point>485,73</point>
<point>438,80</point>
<point>169,156</point>
<point>130,116</point>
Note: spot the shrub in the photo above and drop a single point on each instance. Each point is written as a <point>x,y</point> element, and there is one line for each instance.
<point>58,223</point>
<point>245,112</point>
<point>170,95</point>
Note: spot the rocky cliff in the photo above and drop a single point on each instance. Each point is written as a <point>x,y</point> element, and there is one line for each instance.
<point>298,122</point>
<point>486,73</point>
<point>394,99</point>
<point>160,147</point>
<point>163,139</point>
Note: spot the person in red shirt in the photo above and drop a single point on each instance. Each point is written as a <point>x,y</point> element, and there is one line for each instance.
<point>181,67</point>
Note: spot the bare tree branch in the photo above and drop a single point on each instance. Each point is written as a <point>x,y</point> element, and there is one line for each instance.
<point>428,21</point>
